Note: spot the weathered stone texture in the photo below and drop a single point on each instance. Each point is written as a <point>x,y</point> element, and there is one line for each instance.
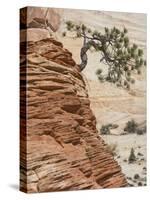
<point>60,146</point>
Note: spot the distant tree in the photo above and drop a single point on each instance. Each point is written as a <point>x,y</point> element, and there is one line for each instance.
<point>131,126</point>
<point>132,157</point>
<point>116,51</point>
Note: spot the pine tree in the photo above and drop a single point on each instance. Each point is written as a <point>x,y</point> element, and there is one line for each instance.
<point>116,51</point>
<point>132,157</point>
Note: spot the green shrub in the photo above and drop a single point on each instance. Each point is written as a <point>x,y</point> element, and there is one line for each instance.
<point>140,184</point>
<point>136,176</point>
<point>64,34</point>
<point>105,130</point>
<point>140,132</point>
<point>132,157</point>
<point>131,126</point>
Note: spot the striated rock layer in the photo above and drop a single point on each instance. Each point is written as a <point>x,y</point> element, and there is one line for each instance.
<point>60,146</point>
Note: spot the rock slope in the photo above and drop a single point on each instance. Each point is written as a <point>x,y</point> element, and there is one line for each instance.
<point>60,146</point>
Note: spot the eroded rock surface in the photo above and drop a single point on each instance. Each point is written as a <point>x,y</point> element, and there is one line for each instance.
<point>60,146</point>
<point>36,17</point>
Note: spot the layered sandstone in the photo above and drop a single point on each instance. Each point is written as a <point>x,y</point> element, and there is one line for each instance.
<point>60,146</point>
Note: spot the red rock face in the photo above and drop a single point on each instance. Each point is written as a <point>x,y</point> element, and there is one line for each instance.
<point>60,146</point>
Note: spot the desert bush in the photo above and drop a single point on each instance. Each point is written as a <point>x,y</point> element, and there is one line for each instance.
<point>140,132</point>
<point>136,176</point>
<point>64,34</point>
<point>123,133</point>
<point>140,184</point>
<point>140,154</point>
<point>131,126</point>
<point>105,130</point>
<point>132,157</point>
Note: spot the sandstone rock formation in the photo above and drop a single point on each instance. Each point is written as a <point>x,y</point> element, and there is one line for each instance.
<point>60,146</point>
<point>35,17</point>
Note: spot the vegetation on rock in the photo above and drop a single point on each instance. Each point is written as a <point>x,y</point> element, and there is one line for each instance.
<point>116,51</point>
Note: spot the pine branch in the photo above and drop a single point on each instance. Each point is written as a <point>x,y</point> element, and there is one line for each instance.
<point>116,52</point>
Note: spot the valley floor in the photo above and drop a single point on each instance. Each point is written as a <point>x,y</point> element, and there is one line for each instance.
<point>134,172</point>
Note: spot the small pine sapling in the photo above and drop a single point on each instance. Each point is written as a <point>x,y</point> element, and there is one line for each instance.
<point>132,157</point>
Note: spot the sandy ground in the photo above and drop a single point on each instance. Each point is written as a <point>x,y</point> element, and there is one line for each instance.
<point>111,104</point>
<point>123,144</point>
